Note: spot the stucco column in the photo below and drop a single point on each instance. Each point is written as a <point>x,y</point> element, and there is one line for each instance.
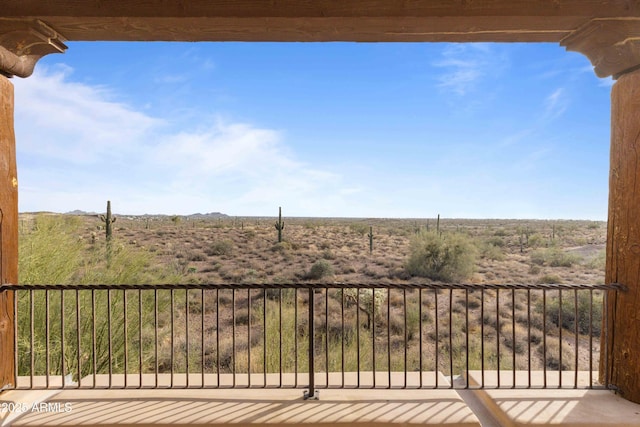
<point>8,230</point>
<point>621,340</point>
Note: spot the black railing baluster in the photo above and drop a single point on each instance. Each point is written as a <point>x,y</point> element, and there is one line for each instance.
<point>186,335</point>
<point>249,336</point>
<point>311,392</point>
<point>202,340</point>
<point>78,332</point>
<point>560,359</point>
<point>437,337</point>
<point>62,366</point>
<point>575,321</point>
<point>110,350</point>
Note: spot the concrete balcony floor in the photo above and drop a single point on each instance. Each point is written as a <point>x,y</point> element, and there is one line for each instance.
<point>244,407</point>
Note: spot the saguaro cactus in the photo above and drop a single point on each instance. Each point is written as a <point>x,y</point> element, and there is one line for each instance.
<point>279,225</point>
<point>108,221</point>
<point>370,235</point>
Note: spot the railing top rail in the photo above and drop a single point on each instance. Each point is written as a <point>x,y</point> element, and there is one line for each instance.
<point>293,285</point>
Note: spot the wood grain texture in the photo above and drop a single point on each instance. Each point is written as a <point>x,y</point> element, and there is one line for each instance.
<point>337,20</point>
<point>317,20</point>
<point>317,8</point>
<point>622,338</point>
<point>8,230</point>
<point>612,45</point>
<point>364,29</point>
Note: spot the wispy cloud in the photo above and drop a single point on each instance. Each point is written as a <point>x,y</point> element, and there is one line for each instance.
<point>171,79</point>
<point>465,65</point>
<point>606,82</point>
<point>83,123</point>
<point>79,145</point>
<point>555,104</point>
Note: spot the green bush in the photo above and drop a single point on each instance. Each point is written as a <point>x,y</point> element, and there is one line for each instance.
<point>494,252</point>
<point>220,247</point>
<point>598,261</point>
<point>448,258</point>
<point>359,228</point>
<point>553,257</point>
<point>320,269</point>
<point>495,241</point>
<point>536,240</point>
<point>549,279</point>
<point>51,252</point>
<point>569,312</point>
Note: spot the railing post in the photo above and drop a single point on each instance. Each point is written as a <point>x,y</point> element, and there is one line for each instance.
<point>8,232</point>
<point>311,394</point>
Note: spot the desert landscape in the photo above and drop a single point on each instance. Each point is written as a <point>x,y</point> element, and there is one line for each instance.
<point>394,329</point>
<point>245,249</point>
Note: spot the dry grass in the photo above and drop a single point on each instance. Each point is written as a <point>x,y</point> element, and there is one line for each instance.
<point>245,250</point>
<point>232,250</point>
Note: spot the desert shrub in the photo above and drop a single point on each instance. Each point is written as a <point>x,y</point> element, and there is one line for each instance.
<point>535,336</point>
<point>553,257</point>
<point>220,247</point>
<point>328,254</point>
<point>534,270</point>
<point>569,312</point>
<point>492,252</point>
<point>549,279</point>
<point>553,356</point>
<point>359,228</point>
<point>448,258</point>
<point>196,256</point>
<point>320,269</point>
<point>281,247</point>
<point>536,240</point>
<point>598,261</point>
<point>519,344</point>
<point>538,257</point>
<point>50,254</point>
<point>495,241</point>
<point>249,234</point>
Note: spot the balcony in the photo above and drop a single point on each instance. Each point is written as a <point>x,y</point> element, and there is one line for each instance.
<point>311,353</point>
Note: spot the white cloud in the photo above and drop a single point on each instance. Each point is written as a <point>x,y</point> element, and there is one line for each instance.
<point>224,148</point>
<point>465,65</point>
<point>78,145</point>
<point>171,78</point>
<point>74,122</point>
<point>556,104</point>
<point>606,82</point>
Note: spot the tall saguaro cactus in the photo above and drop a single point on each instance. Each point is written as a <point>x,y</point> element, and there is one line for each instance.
<point>370,235</point>
<point>279,225</point>
<point>108,221</point>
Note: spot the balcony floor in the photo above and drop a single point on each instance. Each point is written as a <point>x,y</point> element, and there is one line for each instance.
<point>488,407</point>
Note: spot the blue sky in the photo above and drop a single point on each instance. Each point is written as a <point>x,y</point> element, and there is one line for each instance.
<point>321,129</point>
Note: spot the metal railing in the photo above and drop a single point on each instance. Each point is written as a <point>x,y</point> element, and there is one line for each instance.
<point>308,336</point>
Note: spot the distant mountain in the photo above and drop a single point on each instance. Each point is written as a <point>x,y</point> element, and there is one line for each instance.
<point>209,215</point>
<point>79,212</point>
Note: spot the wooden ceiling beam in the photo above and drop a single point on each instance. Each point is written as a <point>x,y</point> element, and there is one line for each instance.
<point>604,30</point>
<point>524,9</point>
<point>369,29</point>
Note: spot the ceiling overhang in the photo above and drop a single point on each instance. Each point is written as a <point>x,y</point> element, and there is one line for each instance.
<point>606,31</point>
